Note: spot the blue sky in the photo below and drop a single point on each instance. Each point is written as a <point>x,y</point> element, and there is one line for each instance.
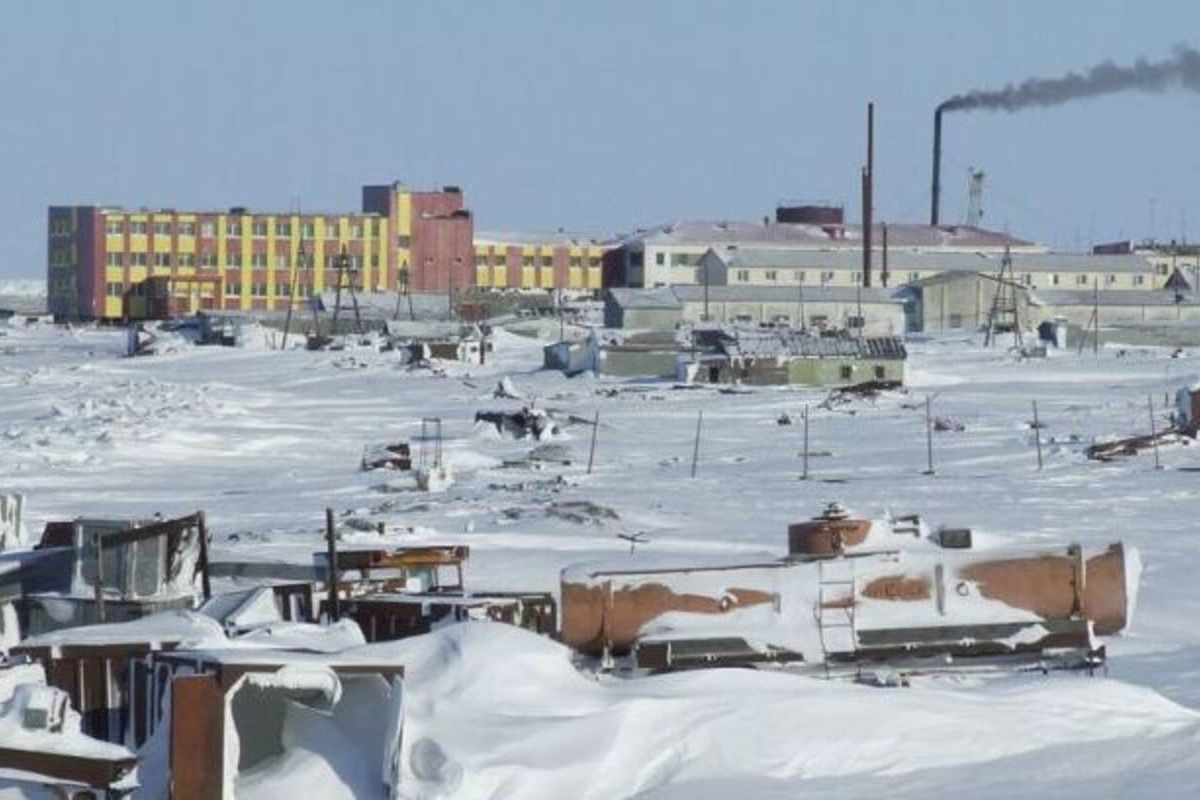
<point>602,115</point>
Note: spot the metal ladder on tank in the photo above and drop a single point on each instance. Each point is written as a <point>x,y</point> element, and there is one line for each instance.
<point>835,623</point>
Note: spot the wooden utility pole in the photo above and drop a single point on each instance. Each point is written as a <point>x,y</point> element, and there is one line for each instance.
<point>804,475</point>
<point>1153,432</point>
<point>929,432</point>
<point>592,449</point>
<point>332,577</point>
<point>696,446</point>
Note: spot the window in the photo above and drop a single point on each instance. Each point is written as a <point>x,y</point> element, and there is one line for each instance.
<point>356,231</point>
<point>233,289</point>
<point>137,228</point>
<point>480,259</point>
<point>1162,269</point>
<point>956,320</point>
<point>283,289</point>
<point>308,230</point>
<point>258,229</point>
<point>233,228</point>
<point>304,290</point>
<point>660,258</point>
<point>207,229</point>
<point>594,261</point>
<point>137,259</point>
<point>187,229</point>
<point>283,229</point>
<point>880,373</point>
<point>1054,279</point>
<point>743,275</point>
<point>234,259</point>
<point>499,258</point>
<point>1027,279</point>
<point>114,227</point>
<point>1110,279</point>
<point>914,276</point>
<point>162,259</point>
<point>208,259</point>
<point>681,259</point>
<point>547,261</point>
<point>826,277</point>
<point>114,289</point>
<point>847,372</point>
<point>404,241</point>
<point>162,229</point>
<point>282,261</point>
<point>187,259</point>
<point>1082,280</point>
<point>527,261</point>
<point>576,261</point>
<point>258,290</point>
<point>331,228</point>
<point>800,276</point>
<point>1139,280</point>
<point>258,260</point>
<point>374,260</point>
<point>115,259</point>
<point>772,275</point>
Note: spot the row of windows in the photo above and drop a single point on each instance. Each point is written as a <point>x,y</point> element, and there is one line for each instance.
<point>257,260</point>
<point>208,229</point>
<point>1083,279</point>
<point>500,259</point>
<point>117,289</point>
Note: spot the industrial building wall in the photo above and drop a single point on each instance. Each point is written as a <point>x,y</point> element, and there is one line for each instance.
<point>1080,315</point>
<point>879,319</point>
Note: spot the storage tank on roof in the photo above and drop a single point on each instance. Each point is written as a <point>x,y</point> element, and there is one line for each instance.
<point>810,214</point>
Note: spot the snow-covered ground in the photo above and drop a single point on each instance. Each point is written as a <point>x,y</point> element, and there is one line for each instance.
<point>263,440</point>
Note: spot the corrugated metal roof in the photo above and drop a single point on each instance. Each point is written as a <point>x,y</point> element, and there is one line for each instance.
<point>783,342</point>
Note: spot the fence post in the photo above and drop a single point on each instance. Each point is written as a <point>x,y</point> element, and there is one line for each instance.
<point>592,450</point>
<point>1037,434</point>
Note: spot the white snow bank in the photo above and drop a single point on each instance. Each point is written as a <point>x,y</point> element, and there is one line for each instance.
<point>493,711</point>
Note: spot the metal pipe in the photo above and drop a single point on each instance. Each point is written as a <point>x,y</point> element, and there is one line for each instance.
<point>936,188</point>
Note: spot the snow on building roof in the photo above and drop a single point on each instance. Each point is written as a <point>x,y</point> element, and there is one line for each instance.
<point>662,297</point>
<point>1112,297</point>
<point>784,294</point>
<point>955,261</point>
<point>554,238</point>
<point>787,234</point>
<point>782,342</point>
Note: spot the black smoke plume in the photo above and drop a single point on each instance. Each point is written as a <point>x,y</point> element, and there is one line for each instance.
<point>1181,70</point>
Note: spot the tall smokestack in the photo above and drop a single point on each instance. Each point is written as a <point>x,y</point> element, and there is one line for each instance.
<point>868,187</point>
<point>935,191</point>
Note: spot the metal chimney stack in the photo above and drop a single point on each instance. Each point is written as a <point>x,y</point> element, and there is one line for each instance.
<point>868,186</point>
<point>936,189</point>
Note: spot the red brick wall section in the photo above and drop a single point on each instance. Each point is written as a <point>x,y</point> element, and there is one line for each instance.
<point>443,252</point>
